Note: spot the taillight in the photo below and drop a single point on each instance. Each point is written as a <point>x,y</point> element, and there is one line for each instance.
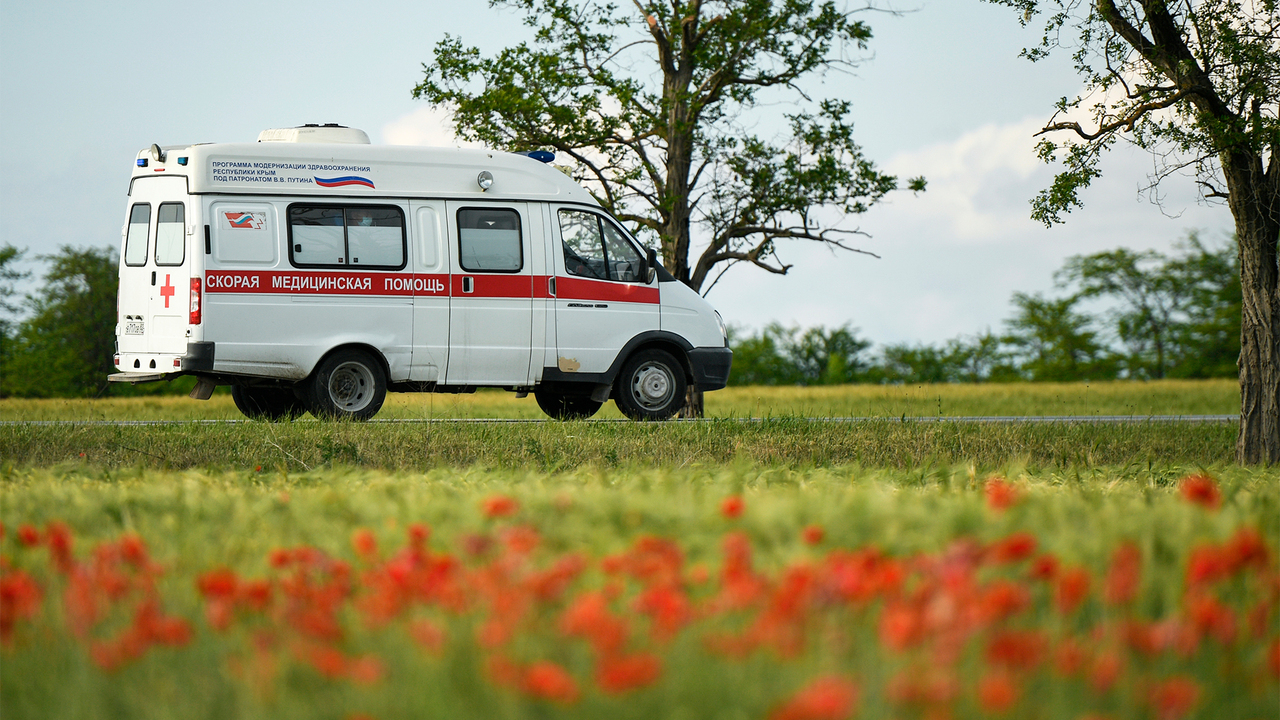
<point>195,301</point>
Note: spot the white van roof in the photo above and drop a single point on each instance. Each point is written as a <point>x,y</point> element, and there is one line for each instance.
<point>299,167</point>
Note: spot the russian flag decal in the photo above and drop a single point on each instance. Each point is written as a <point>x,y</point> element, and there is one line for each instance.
<point>343,181</point>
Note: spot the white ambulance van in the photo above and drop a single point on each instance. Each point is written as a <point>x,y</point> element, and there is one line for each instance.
<point>314,272</point>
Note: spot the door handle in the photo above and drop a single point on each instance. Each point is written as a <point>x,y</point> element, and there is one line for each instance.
<point>468,285</point>
<point>551,286</point>
<point>153,278</point>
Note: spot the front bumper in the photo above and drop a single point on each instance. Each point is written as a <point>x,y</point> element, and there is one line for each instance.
<point>711,367</point>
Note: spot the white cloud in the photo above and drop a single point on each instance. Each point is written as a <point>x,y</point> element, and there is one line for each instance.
<point>427,125</point>
<point>953,256</point>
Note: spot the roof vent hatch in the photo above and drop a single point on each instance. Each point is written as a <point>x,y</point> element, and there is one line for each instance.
<point>314,133</point>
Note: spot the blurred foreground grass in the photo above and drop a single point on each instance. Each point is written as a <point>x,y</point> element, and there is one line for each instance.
<point>198,520</point>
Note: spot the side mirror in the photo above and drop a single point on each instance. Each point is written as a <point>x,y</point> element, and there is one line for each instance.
<point>651,261</point>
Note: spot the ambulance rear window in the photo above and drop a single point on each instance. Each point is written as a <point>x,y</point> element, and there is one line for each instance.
<point>135,242</point>
<point>365,236</point>
<point>170,237</point>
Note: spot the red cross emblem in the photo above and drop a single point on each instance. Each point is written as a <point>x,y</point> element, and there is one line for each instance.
<point>166,290</point>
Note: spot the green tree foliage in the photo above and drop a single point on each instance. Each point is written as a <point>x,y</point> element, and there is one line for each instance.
<point>9,277</point>
<point>1208,339</point>
<point>1197,83</point>
<point>791,356</point>
<point>65,347</point>
<point>1056,343</point>
<point>1176,317</point>
<point>652,104</point>
<point>981,358</point>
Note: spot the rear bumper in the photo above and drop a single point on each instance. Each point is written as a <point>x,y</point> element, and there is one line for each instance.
<point>149,367</point>
<point>711,367</point>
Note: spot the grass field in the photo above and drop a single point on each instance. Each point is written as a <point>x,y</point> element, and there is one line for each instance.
<point>552,446</point>
<point>781,568</point>
<point>1165,397</point>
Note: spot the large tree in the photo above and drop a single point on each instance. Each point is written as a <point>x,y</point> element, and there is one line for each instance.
<point>1197,82</point>
<point>655,105</point>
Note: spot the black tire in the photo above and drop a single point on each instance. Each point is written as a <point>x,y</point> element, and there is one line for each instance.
<point>346,385</point>
<point>566,407</point>
<point>271,404</point>
<point>651,386</point>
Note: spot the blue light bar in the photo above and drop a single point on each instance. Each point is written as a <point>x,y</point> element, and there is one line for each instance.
<point>542,156</point>
<point>182,161</point>
<point>142,162</point>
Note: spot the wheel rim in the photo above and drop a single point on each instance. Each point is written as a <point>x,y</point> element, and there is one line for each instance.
<point>652,386</point>
<point>351,386</point>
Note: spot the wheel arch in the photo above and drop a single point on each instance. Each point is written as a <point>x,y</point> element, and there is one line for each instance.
<point>365,348</point>
<point>650,339</point>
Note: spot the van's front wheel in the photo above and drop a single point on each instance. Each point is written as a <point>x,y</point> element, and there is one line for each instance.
<point>347,385</point>
<point>266,403</point>
<point>566,407</point>
<point>651,386</point>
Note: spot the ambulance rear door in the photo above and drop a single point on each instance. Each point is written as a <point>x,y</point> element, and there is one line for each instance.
<point>155,270</point>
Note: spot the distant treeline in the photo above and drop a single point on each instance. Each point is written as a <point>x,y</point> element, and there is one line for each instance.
<point>1121,315</point>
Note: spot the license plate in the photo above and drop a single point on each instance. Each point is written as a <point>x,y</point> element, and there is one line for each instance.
<point>134,328</point>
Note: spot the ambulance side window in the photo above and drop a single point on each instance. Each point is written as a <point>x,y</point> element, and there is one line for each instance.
<point>367,236</point>
<point>594,248</point>
<point>625,263</point>
<point>135,243</point>
<point>316,236</point>
<point>375,236</point>
<point>170,234</point>
<point>489,240</point>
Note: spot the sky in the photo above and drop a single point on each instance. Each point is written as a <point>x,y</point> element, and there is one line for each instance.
<point>942,93</point>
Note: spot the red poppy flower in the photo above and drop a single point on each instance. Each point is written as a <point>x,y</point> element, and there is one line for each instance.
<point>1000,493</point>
<point>1071,589</point>
<point>500,506</point>
<point>1201,490</point>
<point>28,535</point>
<point>548,681</point>
<point>1044,567</point>
<point>1124,575</point>
<point>826,698</point>
<point>732,507</point>
<point>813,534</point>
<point>1174,698</point>
<point>619,674</point>
<point>997,692</point>
<point>365,544</point>
<point>1014,548</point>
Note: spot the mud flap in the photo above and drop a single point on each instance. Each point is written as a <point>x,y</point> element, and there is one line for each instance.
<point>203,389</point>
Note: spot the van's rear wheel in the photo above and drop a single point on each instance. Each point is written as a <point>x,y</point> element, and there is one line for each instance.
<point>566,407</point>
<point>347,385</point>
<point>651,386</point>
<point>267,403</point>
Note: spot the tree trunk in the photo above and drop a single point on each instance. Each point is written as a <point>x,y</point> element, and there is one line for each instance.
<point>1255,204</point>
<point>693,407</point>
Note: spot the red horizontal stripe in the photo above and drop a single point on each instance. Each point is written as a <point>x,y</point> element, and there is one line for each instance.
<point>495,286</point>
<point>418,284</point>
<point>575,288</point>
<point>325,283</point>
